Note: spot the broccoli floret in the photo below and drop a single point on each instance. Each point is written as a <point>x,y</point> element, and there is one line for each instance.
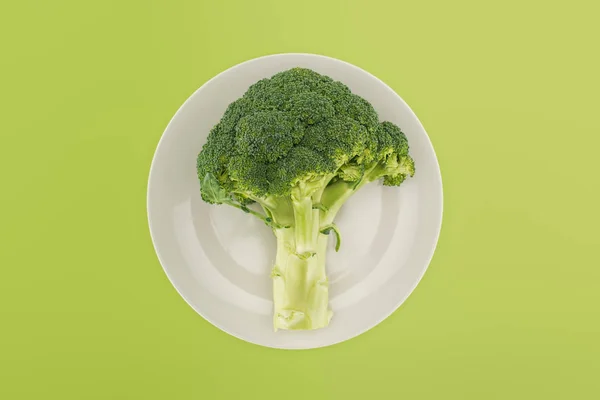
<point>299,145</point>
<point>267,136</point>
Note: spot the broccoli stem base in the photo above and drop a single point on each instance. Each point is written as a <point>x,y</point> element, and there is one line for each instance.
<point>300,286</point>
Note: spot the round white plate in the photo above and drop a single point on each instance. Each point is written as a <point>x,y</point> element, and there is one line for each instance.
<point>219,259</point>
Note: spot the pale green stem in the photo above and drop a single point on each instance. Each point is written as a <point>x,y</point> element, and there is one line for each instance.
<point>300,287</point>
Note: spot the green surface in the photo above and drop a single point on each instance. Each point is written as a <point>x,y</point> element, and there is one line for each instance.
<point>508,92</point>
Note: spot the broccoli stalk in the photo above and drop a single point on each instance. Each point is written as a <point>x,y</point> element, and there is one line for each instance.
<point>299,145</point>
<point>300,286</point>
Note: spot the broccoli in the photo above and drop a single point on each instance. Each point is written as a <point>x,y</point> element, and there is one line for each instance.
<point>299,145</point>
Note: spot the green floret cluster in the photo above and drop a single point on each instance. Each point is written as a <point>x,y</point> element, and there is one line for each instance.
<point>299,144</point>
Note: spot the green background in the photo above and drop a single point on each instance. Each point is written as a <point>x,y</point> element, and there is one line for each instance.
<point>509,94</point>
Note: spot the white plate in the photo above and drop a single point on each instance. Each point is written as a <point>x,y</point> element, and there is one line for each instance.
<point>219,259</point>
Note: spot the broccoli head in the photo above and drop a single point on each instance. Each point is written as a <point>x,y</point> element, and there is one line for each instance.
<point>299,144</point>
